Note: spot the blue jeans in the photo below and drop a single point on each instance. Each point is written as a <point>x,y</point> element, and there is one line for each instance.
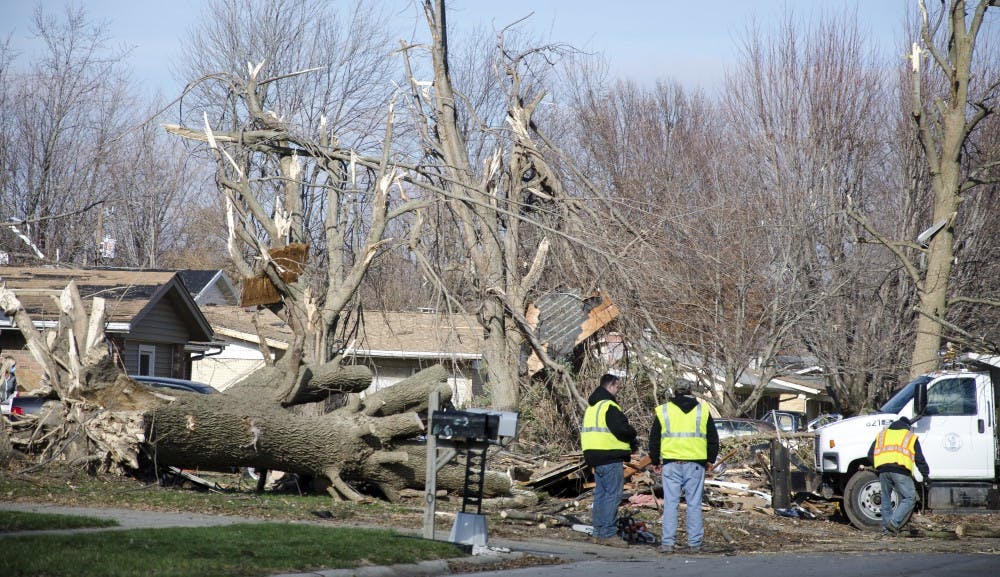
<point>691,478</point>
<point>607,496</point>
<point>903,484</point>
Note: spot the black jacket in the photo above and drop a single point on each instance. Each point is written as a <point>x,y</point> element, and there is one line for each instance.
<point>686,404</point>
<point>620,427</point>
<point>918,455</point>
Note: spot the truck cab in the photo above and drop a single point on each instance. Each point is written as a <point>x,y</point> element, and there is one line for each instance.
<point>954,413</point>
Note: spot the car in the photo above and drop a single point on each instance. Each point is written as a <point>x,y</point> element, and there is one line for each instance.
<point>823,420</point>
<point>175,384</point>
<point>787,421</point>
<point>12,402</point>
<point>739,427</point>
<point>18,405</point>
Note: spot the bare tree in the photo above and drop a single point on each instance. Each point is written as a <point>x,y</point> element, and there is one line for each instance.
<point>157,189</point>
<point>508,211</point>
<point>809,108</point>
<point>950,103</point>
<point>63,117</point>
<point>302,149</point>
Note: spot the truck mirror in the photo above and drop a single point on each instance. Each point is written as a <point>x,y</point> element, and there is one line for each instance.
<point>919,399</point>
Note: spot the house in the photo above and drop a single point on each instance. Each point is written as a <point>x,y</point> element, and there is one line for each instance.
<point>803,392</point>
<point>240,329</point>
<point>153,324</point>
<point>210,287</point>
<point>395,345</point>
<point>797,387</point>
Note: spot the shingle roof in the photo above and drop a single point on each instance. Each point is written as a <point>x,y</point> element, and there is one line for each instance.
<point>384,333</point>
<point>417,332</point>
<point>237,322</point>
<point>128,294</point>
<point>195,280</point>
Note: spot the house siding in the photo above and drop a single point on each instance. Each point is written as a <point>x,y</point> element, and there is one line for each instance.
<point>223,373</point>
<point>466,383</point>
<point>161,324</point>
<point>165,362</point>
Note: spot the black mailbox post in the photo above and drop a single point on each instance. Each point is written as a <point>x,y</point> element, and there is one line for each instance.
<point>473,431</point>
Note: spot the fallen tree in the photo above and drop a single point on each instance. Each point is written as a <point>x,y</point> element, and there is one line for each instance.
<point>102,419</point>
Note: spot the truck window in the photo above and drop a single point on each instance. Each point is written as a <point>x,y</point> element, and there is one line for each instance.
<point>899,400</point>
<point>952,397</point>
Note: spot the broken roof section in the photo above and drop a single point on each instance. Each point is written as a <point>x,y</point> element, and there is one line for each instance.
<point>562,320</point>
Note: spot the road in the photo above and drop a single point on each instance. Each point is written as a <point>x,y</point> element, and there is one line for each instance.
<point>775,565</point>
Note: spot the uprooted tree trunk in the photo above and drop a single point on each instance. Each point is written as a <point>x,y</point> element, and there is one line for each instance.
<point>368,442</point>
<point>105,420</point>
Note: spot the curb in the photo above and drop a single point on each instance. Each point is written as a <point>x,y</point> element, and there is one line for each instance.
<point>421,569</point>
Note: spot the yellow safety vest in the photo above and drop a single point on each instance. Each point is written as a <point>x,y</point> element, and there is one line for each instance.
<point>683,436</point>
<point>895,446</point>
<point>595,434</point>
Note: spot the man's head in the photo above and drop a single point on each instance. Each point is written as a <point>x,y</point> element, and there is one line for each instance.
<point>610,382</point>
<point>682,388</point>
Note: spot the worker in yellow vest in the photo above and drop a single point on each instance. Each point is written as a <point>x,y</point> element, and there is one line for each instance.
<point>895,453</point>
<point>608,441</point>
<point>684,439</point>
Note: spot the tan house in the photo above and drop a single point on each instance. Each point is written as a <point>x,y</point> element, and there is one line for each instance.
<point>153,325</point>
<point>394,345</point>
<point>398,344</point>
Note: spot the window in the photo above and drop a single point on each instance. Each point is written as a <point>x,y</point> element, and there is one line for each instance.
<point>147,359</point>
<point>952,397</point>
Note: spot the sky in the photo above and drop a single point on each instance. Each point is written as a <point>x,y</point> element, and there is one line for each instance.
<point>644,40</point>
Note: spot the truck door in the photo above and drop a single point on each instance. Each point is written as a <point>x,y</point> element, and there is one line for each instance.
<point>956,433</point>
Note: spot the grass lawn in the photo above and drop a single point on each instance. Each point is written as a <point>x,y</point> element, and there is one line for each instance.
<point>234,550</point>
<point>11,521</point>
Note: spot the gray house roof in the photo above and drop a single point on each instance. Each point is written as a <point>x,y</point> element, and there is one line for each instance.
<point>129,295</point>
<point>210,287</point>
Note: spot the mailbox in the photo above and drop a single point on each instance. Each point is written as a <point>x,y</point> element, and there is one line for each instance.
<point>478,424</point>
<point>466,424</point>
<point>506,426</point>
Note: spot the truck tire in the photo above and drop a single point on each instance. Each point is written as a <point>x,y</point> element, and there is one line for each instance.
<point>863,501</point>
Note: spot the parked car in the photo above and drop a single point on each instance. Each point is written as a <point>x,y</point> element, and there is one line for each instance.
<point>175,384</point>
<point>787,421</point>
<point>19,405</point>
<point>11,401</point>
<point>739,427</point>
<point>823,420</point>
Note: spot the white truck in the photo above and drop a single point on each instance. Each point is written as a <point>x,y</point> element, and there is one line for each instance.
<point>954,412</point>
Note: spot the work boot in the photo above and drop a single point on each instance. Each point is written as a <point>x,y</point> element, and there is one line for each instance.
<point>666,550</point>
<point>614,541</point>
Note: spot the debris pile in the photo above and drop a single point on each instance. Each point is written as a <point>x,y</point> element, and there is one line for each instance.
<point>738,484</point>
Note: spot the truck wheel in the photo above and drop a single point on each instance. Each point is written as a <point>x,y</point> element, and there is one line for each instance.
<point>863,500</point>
